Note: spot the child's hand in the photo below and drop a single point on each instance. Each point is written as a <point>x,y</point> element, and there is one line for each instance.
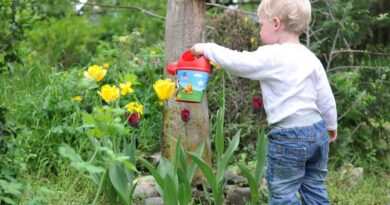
<point>332,135</point>
<point>197,50</point>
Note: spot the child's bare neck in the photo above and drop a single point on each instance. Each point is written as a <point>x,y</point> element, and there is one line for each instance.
<point>289,38</point>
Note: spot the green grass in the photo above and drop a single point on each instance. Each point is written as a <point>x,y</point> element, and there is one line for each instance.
<point>370,190</point>
<point>347,190</point>
<point>68,187</point>
<point>195,96</point>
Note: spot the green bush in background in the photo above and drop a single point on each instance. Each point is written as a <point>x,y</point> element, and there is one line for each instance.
<point>16,17</point>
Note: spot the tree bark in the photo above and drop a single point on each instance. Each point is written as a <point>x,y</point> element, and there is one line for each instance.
<point>185,26</point>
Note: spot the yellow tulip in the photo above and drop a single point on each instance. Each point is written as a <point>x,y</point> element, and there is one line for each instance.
<point>106,65</point>
<point>95,73</point>
<point>164,88</point>
<point>77,98</point>
<point>109,93</point>
<point>135,106</point>
<point>126,88</point>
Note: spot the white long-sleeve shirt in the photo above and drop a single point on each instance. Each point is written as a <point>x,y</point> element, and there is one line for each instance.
<point>292,79</point>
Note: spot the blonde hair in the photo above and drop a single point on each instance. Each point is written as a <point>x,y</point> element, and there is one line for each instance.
<point>295,14</point>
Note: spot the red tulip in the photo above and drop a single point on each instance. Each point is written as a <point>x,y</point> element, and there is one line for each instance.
<point>134,120</point>
<point>257,103</point>
<point>185,115</point>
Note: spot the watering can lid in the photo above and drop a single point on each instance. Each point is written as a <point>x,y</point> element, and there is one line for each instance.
<point>189,62</point>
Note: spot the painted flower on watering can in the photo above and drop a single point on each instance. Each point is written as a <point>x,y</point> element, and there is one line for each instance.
<point>257,103</point>
<point>133,120</point>
<point>109,93</point>
<point>164,88</point>
<point>185,115</point>
<point>95,73</point>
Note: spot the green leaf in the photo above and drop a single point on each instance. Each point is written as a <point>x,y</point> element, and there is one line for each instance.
<point>129,150</point>
<point>118,158</point>
<point>181,155</point>
<point>228,154</point>
<point>207,172</point>
<point>165,167</point>
<point>185,189</point>
<point>253,184</point>
<point>261,150</point>
<point>95,132</point>
<point>88,119</point>
<point>12,188</point>
<point>2,57</point>
<point>219,142</point>
<point>177,157</point>
<point>77,162</point>
<point>120,183</point>
<point>130,77</point>
<point>7,200</point>
<point>159,179</point>
<point>170,191</point>
<point>86,84</point>
<point>192,167</point>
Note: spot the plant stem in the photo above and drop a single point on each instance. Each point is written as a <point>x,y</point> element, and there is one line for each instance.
<point>188,148</point>
<point>100,188</point>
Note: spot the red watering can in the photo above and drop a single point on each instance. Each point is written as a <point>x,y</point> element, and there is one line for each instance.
<point>192,77</point>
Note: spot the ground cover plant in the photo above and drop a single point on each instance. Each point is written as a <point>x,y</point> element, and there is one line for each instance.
<point>79,115</point>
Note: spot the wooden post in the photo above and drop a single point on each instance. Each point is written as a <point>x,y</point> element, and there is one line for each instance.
<point>185,26</point>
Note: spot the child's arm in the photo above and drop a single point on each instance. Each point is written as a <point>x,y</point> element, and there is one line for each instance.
<point>332,135</point>
<point>244,64</point>
<point>326,103</point>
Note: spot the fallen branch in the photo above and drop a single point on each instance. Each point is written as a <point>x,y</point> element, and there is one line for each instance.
<point>346,67</point>
<point>333,48</point>
<point>156,15</point>
<point>125,7</point>
<point>353,105</point>
<point>226,7</point>
<point>359,51</point>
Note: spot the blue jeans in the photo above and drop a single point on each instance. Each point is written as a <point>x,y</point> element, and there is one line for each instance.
<point>297,162</point>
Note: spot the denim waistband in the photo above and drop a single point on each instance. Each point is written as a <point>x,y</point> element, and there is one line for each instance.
<point>304,133</point>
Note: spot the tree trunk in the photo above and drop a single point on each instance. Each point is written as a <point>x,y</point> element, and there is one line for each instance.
<point>185,26</point>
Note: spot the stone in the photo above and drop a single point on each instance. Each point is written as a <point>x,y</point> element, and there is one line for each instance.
<point>352,174</point>
<point>233,178</point>
<point>145,188</point>
<point>237,195</point>
<point>154,201</point>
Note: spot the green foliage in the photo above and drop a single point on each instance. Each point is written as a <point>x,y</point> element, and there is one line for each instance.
<point>174,177</point>
<point>10,186</point>
<point>53,9</point>
<point>241,29</point>
<point>77,162</point>
<point>254,180</point>
<point>216,181</point>
<point>16,18</point>
<point>364,125</point>
<point>347,189</point>
<point>62,43</point>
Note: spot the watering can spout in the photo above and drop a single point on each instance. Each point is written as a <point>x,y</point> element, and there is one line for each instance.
<point>171,68</point>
